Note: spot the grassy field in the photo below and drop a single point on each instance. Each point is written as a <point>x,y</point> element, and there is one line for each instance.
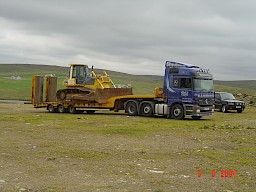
<point>43,151</point>
<point>21,89</point>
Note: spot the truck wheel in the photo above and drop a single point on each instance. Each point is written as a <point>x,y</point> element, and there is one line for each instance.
<point>51,109</point>
<point>61,108</point>
<point>72,109</point>
<point>146,110</point>
<point>90,111</point>
<point>224,109</point>
<point>177,112</point>
<point>131,109</point>
<point>239,110</point>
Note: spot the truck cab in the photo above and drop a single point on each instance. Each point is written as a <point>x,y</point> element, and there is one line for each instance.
<point>188,90</point>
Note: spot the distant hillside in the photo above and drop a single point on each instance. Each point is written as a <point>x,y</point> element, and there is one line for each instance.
<point>28,68</point>
<point>15,88</point>
<point>240,84</point>
<point>20,88</point>
<point>243,90</point>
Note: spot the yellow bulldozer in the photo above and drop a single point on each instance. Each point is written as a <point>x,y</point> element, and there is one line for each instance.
<point>84,84</point>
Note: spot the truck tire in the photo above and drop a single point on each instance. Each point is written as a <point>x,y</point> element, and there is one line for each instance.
<point>51,109</point>
<point>177,111</point>
<point>224,109</point>
<point>61,108</point>
<point>72,109</point>
<point>239,110</point>
<point>146,109</point>
<point>131,108</point>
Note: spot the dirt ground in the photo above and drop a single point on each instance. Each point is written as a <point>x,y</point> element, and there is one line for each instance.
<point>41,151</point>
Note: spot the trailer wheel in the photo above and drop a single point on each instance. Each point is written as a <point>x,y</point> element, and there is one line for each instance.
<point>72,109</point>
<point>177,112</point>
<point>61,108</point>
<point>51,109</point>
<point>131,108</point>
<point>146,109</point>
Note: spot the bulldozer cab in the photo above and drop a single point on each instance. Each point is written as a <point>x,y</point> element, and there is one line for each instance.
<point>81,75</point>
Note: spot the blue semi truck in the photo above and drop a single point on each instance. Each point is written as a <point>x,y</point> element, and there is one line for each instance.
<point>187,91</point>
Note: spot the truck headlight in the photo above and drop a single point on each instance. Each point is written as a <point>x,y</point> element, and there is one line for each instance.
<point>230,103</point>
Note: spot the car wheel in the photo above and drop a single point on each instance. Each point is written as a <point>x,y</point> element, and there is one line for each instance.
<point>239,110</point>
<point>224,109</point>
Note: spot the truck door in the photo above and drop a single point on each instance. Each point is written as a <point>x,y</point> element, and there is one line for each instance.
<point>183,88</point>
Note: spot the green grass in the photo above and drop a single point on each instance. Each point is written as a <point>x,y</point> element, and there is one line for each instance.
<point>111,151</point>
<point>243,84</point>
<point>43,151</point>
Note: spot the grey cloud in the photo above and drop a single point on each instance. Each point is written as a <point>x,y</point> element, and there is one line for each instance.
<point>131,36</point>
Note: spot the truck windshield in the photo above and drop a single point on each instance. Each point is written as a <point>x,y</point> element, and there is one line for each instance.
<point>203,84</point>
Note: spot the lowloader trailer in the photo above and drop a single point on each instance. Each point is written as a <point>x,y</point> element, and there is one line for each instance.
<point>187,91</point>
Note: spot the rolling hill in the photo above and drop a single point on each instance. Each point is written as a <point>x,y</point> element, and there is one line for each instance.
<point>16,81</point>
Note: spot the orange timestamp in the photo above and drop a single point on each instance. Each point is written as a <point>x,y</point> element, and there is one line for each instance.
<point>219,174</point>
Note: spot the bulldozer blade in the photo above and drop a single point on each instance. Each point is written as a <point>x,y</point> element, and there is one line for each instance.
<point>102,95</point>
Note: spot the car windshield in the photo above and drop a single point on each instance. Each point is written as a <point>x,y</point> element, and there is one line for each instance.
<point>227,96</point>
<point>203,84</point>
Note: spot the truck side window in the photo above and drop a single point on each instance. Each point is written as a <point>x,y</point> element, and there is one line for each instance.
<point>182,83</point>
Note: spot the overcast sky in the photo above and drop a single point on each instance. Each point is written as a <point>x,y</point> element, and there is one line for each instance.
<point>132,36</point>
